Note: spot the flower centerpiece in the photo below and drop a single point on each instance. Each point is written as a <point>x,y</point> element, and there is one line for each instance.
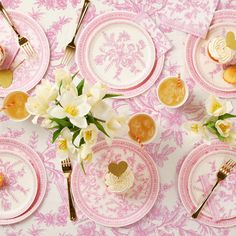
<point>217,123</point>
<point>76,112</point>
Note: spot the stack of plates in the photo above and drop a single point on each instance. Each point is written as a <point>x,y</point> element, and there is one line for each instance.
<point>118,52</point>
<point>25,181</point>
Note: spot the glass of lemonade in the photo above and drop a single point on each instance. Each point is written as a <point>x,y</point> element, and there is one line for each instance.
<point>142,128</point>
<point>14,104</point>
<point>172,92</point>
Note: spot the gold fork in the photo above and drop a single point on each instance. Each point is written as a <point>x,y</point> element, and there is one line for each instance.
<point>70,48</point>
<point>221,175</point>
<point>23,42</point>
<point>67,169</point>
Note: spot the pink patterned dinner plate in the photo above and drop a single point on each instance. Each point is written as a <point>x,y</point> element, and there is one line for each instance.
<point>203,70</point>
<point>117,52</point>
<point>116,210</point>
<point>198,175</point>
<point>26,153</point>
<point>20,184</point>
<point>128,88</point>
<point>27,75</point>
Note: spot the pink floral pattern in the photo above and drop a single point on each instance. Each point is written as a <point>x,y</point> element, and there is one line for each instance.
<point>122,53</point>
<point>168,216</point>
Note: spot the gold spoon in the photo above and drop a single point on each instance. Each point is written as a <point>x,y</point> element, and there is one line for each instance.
<point>6,76</point>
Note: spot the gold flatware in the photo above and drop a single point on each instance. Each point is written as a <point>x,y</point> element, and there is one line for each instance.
<point>70,48</point>
<point>23,42</point>
<point>67,170</point>
<point>221,175</point>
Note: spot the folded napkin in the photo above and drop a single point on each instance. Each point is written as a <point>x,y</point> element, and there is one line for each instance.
<point>191,16</point>
<point>162,43</point>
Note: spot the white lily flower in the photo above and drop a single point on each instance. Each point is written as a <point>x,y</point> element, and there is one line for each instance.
<point>85,153</point>
<point>65,142</point>
<point>197,128</point>
<point>117,126</point>
<point>73,107</point>
<point>101,110</point>
<point>45,93</point>
<point>217,107</point>
<point>48,123</point>
<point>224,127</point>
<point>95,92</point>
<point>90,134</point>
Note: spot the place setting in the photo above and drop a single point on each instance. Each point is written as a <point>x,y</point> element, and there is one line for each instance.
<point>21,39</point>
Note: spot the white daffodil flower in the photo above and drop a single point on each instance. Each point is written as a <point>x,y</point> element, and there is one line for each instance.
<point>64,142</point>
<point>95,92</point>
<point>217,107</point>
<point>73,107</point>
<point>224,127</point>
<point>117,126</point>
<point>90,134</point>
<point>45,93</point>
<point>85,153</point>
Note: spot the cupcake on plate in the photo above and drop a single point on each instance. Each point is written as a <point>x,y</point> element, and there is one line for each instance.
<point>2,55</point>
<point>120,178</point>
<point>219,52</point>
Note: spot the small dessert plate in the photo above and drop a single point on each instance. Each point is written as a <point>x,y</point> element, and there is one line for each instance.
<point>118,53</point>
<point>111,209</point>
<point>20,184</point>
<point>201,67</point>
<point>196,178</point>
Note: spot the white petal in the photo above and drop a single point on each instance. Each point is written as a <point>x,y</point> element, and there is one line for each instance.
<point>57,112</point>
<point>67,98</point>
<point>84,109</point>
<point>80,122</point>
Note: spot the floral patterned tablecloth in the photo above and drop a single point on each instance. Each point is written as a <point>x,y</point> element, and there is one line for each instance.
<point>172,144</point>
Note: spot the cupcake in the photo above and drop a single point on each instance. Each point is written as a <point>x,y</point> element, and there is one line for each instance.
<point>219,52</point>
<point>230,74</point>
<point>120,177</point>
<point>2,55</point>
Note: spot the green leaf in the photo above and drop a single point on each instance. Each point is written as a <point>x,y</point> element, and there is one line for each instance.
<point>81,142</point>
<point>75,135</point>
<point>99,126</point>
<point>76,73</point>
<point>60,87</point>
<point>110,95</point>
<point>226,116</point>
<point>82,166</point>
<point>80,87</point>
<point>56,134</point>
<point>62,122</point>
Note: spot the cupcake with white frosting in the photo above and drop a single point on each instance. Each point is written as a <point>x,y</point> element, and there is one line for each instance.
<point>120,178</point>
<point>219,51</point>
<point>2,55</point>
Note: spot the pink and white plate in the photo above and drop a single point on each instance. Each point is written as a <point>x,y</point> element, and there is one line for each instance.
<point>203,70</point>
<point>116,210</point>
<point>25,176</point>
<point>120,53</point>
<point>27,75</point>
<point>20,184</point>
<point>198,175</point>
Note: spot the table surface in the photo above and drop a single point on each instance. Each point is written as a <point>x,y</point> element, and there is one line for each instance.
<point>172,144</point>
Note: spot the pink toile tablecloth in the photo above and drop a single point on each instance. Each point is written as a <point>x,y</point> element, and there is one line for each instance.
<point>168,216</point>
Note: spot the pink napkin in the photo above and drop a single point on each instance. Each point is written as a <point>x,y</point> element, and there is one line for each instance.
<point>162,43</point>
<point>191,16</point>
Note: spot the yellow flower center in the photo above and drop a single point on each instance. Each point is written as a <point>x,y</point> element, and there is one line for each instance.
<point>216,106</point>
<point>88,135</point>
<point>224,127</point>
<point>72,110</point>
<point>63,145</point>
<point>89,157</point>
<point>195,128</point>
